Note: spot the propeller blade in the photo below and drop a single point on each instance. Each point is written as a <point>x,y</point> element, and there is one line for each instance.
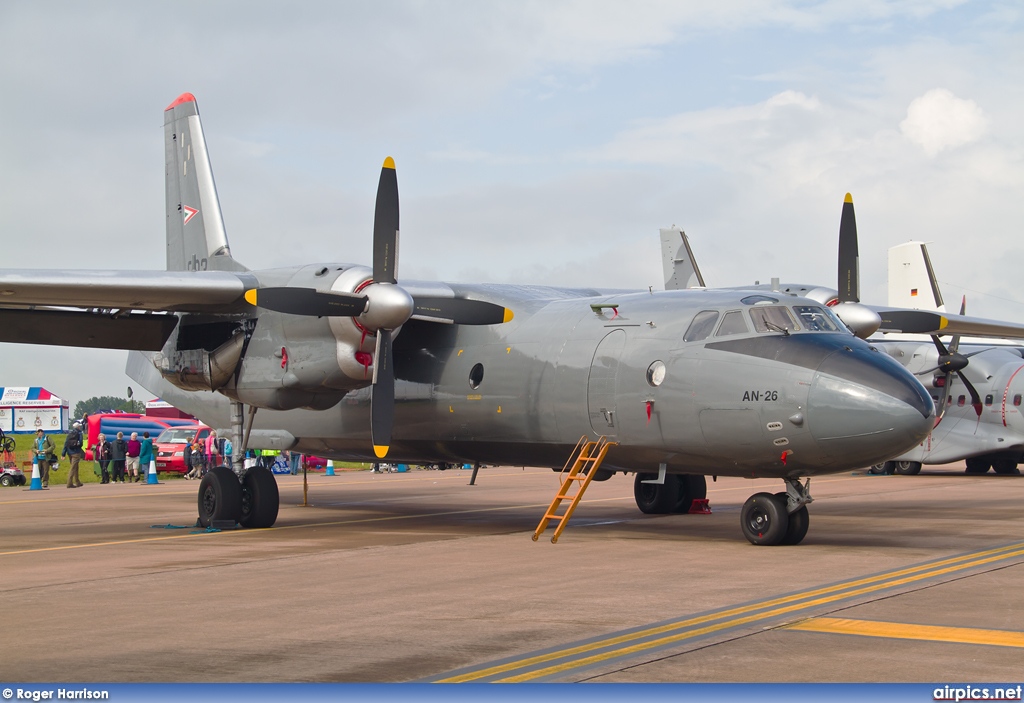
<point>975,398</point>
<point>460,311</point>
<point>382,395</point>
<point>307,301</point>
<point>849,257</point>
<point>385,226</point>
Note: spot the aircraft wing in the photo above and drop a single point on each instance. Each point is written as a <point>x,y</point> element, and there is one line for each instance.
<point>111,309</point>
<point>937,323</point>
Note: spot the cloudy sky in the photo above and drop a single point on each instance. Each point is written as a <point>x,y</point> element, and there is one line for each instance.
<point>540,142</point>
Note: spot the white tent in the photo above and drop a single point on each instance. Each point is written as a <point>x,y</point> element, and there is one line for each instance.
<point>27,409</point>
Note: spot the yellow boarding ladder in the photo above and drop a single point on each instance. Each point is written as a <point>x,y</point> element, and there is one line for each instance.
<point>585,460</point>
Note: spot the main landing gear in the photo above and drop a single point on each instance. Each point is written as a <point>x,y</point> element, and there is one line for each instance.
<point>249,497</point>
<point>252,501</point>
<point>658,494</point>
<point>779,518</point>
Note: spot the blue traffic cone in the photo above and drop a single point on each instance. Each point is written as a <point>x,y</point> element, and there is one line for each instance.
<point>151,476</point>
<point>37,482</point>
<point>330,468</point>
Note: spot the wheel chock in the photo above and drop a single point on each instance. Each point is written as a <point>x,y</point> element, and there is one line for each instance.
<point>699,506</point>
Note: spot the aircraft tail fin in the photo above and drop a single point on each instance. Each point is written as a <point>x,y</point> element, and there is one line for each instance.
<point>677,261</point>
<point>196,239</point>
<point>912,282</point>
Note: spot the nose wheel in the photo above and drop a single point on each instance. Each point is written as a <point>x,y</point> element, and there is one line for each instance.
<point>781,518</point>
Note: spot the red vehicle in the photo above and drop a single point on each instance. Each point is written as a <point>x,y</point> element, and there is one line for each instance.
<point>170,445</point>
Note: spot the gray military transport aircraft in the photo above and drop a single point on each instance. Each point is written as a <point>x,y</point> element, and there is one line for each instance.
<point>334,356</point>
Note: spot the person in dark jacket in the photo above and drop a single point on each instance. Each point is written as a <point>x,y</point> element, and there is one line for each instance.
<point>118,452</point>
<point>101,452</point>
<point>73,449</point>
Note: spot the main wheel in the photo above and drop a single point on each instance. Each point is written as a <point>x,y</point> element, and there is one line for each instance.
<point>908,468</point>
<point>1005,466</point>
<point>260,498</point>
<point>655,499</point>
<point>6,480</point>
<point>886,468</point>
<point>798,522</point>
<point>220,496</point>
<point>978,465</point>
<point>764,519</point>
<point>691,487</point>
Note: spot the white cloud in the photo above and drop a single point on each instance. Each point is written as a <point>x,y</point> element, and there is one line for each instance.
<point>938,120</point>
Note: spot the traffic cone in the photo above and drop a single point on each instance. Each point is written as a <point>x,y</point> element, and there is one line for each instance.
<point>37,483</point>
<point>151,476</point>
<point>330,468</point>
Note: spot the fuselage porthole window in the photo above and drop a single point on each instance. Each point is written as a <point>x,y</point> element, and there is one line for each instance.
<point>988,399</point>
<point>1016,400</point>
<point>701,327</point>
<point>732,323</point>
<point>476,376</point>
<point>656,373</point>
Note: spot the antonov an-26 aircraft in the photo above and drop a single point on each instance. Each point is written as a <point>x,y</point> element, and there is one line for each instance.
<point>345,361</point>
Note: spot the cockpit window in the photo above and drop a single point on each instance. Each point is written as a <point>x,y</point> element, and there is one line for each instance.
<point>814,318</point>
<point>701,326</point>
<point>732,323</point>
<point>773,318</point>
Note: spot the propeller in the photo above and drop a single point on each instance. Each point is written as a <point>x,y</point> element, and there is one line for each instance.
<point>862,320</point>
<point>381,307</point>
<point>950,362</point>
<point>309,300</point>
<point>849,254</point>
<point>388,307</point>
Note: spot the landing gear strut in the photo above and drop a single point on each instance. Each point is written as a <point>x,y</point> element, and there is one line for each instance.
<point>781,518</point>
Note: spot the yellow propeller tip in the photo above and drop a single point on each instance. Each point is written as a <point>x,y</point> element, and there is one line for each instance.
<point>380,451</point>
<point>389,163</point>
<point>250,296</point>
<point>508,315</point>
<point>848,199</point>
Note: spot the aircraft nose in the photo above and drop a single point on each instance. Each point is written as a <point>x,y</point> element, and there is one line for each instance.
<point>864,407</point>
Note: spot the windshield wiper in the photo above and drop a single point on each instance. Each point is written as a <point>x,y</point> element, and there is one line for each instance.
<point>774,327</point>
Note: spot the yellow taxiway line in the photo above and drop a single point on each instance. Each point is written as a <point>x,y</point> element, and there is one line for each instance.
<point>621,645</point>
<point>907,631</point>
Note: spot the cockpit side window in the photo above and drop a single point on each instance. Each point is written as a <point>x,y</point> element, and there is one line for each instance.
<point>772,318</point>
<point>732,323</point>
<point>814,318</point>
<point>701,326</point>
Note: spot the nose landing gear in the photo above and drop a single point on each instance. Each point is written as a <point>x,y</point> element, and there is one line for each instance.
<point>780,518</point>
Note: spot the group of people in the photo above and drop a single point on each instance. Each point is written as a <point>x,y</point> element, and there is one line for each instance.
<point>201,456</point>
<point>123,460</point>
